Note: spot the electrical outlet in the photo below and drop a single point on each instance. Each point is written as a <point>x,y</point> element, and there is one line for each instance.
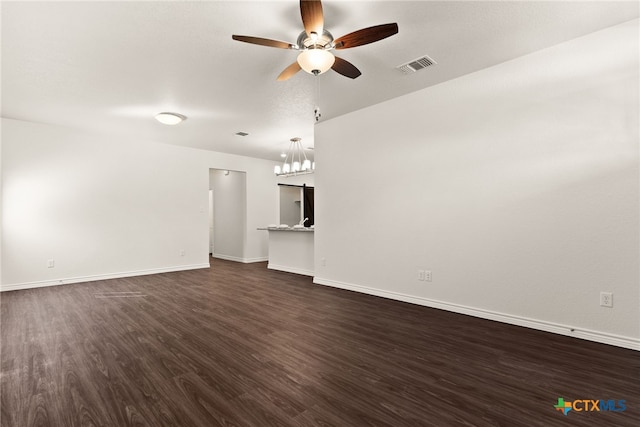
<point>427,275</point>
<point>181,252</point>
<point>323,262</point>
<point>51,263</point>
<point>421,275</point>
<point>606,299</point>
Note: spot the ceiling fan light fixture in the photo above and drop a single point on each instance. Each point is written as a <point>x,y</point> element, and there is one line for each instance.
<point>170,119</point>
<point>316,61</point>
<point>315,41</point>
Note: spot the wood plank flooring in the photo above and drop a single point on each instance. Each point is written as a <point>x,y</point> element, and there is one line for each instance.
<point>240,345</point>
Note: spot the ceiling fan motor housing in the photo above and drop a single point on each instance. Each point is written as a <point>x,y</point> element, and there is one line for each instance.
<point>324,41</point>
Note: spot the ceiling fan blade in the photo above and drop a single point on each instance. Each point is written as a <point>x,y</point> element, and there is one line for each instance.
<point>345,68</point>
<point>263,42</point>
<point>366,36</point>
<point>312,17</point>
<point>289,71</point>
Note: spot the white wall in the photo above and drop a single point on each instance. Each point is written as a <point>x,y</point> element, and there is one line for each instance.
<point>229,213</point>
<point>1,210</point>
<point>517,186</point>
<point>109,207</point>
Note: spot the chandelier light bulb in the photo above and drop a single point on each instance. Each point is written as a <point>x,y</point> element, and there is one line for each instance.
<point>296,162</point>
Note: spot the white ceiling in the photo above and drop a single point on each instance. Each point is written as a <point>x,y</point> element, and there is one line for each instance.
<point>110,67</point>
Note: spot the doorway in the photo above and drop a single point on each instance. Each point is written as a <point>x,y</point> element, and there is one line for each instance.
<point>296,204</point>
<point>227,214</point>
<point>211,223</point>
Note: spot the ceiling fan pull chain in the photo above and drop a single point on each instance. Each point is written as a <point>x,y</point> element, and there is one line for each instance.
<point>316,111</point>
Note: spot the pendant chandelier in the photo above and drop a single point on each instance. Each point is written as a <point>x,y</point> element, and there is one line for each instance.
<point>296,162</point>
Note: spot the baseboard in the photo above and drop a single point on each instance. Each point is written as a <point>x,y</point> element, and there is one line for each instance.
<point>258,259</point>
<point>238,259</point>
<point>290,269</point>
<point>586,334</point>
<point>81,279</point>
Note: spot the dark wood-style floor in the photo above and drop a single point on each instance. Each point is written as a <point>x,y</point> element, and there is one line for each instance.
<point>242,345</point>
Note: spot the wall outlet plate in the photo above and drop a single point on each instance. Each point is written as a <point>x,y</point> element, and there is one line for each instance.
<point>606,299</point>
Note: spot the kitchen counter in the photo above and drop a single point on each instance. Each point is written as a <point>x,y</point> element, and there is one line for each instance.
<point>291,250</point>
<point>286,229</point>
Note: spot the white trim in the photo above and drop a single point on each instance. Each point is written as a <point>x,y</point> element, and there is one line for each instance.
<point>290,269</point>
<point>228,257</point>
<point>238,259</point>
<point>586,334</point>
<point>258,259</point>
<point>80,279</point>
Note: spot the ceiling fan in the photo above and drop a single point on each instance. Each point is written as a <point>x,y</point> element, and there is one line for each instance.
<point>316,43</point>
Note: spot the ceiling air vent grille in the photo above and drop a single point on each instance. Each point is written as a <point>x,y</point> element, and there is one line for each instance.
<point>416,65</point>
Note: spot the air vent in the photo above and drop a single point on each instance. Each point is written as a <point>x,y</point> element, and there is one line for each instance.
<point>416,65</point>
<point>242,133</point>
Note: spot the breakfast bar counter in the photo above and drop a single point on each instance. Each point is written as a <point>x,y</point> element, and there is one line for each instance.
<point>291,249</point>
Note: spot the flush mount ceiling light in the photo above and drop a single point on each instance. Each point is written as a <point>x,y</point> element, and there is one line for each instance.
<point>295,162</point>
<point>170,118</point>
